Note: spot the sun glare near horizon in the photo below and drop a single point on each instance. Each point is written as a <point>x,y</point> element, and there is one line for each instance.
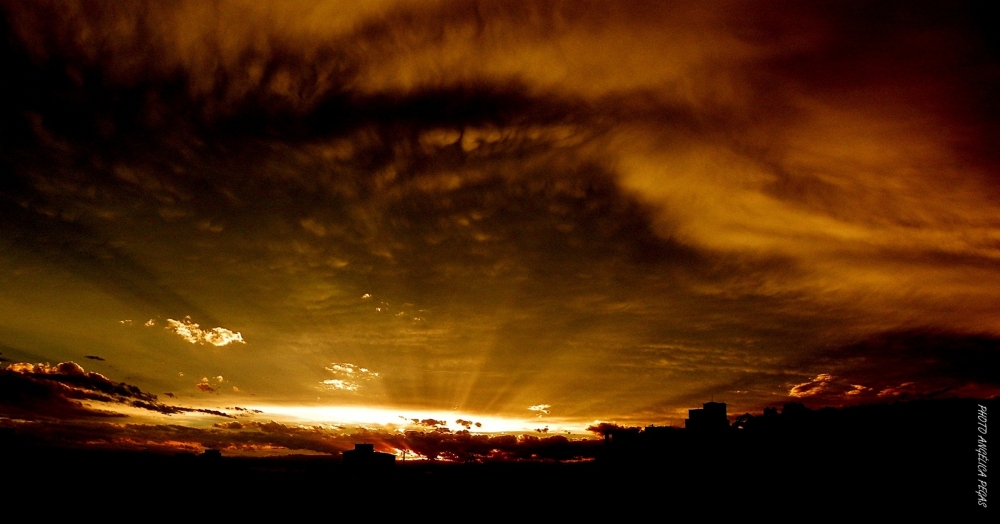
<point>357,416</point>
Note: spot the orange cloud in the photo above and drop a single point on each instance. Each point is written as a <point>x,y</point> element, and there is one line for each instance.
<point>812,387</point>
<point>192,332</point>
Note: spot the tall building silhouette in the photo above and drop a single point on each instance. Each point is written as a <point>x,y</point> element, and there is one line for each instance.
<point>710,417</point>
<point>366,456</point>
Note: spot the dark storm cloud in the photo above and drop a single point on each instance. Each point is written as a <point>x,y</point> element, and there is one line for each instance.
<point>886,366</point>
<point>429,422</point>
<point>26,397</point>
<point>95,70</point>
<point>606,428</point>
<point>72,374</point>
<point>39,390</point>
<point>489,122</point>
<point>915,362</point>
<point>467,424</point>
<point>120,64</point>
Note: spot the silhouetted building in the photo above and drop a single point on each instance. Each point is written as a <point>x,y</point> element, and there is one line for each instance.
<point>659,432</point>
<point>212,454</point>
<point>623,436</point>
<point>365,455</point>
<point>657,438</point>
<point>710,417</point>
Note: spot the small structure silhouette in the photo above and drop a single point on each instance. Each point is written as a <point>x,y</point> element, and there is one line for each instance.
<point>710,417</point>
<point>211,454</point>
<point>364,455</point>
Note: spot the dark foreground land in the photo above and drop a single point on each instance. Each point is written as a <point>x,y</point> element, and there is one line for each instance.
<point>884,458</point>
<point>808,480</point>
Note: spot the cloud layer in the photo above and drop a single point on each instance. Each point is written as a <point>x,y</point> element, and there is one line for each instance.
<point>67,391</point>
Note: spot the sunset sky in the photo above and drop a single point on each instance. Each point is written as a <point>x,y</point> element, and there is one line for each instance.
<point>526,214</point>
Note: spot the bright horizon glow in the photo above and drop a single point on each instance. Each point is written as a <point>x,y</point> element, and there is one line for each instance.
<point>403,418</point>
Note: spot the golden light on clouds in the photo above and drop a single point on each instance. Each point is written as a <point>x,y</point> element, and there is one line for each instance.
<point>192,332</point>
<point>813,387</point>
<point>351,376</point>
<point>344,385</point>
<point>403,419</point>
<point>540,409</point>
